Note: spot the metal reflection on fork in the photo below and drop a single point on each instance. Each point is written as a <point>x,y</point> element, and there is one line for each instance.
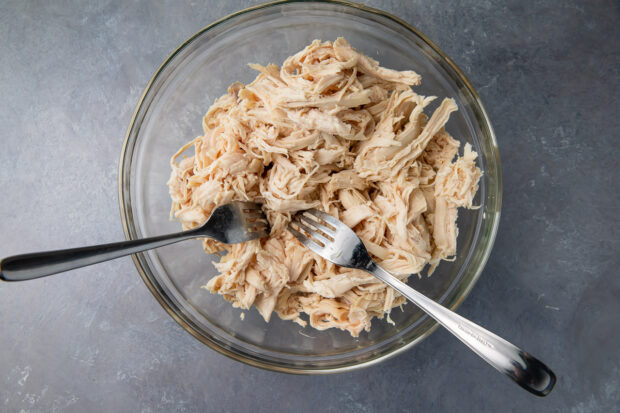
<point>231,224</point>
<point>336,242</point>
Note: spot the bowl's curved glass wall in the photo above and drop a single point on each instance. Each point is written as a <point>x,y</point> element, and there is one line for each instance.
<point>170,114</point>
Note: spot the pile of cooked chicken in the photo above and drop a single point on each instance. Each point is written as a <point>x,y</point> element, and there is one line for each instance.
<point>332,130</point>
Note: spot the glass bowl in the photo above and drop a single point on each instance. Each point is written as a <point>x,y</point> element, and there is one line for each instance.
<point>170,113</point>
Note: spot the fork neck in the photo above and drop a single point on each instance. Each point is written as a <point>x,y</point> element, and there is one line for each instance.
<point>376,270</point>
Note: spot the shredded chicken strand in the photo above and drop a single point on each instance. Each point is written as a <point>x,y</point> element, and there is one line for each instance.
<point>333,130</point>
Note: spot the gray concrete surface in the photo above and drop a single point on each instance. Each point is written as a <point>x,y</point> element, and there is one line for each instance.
<point>95,340</point>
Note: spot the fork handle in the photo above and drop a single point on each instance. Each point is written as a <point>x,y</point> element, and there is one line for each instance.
<point>40,264</point>
<point>527,371</point>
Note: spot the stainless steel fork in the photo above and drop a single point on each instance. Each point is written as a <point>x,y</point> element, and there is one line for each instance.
<point>231,223</point>
<point>337,243</point>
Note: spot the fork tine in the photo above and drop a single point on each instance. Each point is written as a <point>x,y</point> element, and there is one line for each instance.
<point>253,214</point>
<point>256,235</point>
<point>318,223</point>
<point>313,233</point>
<point>316,227</point>
<point>257,226</point>
<point>262,224</point>
<point>325,217</point>
<point>250,206</point>
<point>304,239</point>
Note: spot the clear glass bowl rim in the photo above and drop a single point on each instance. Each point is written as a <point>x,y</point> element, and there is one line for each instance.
<point>128,224</point>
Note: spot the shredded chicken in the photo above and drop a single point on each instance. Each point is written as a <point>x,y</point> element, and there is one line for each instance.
<point>332,130</point>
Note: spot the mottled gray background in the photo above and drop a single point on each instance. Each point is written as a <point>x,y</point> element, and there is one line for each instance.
<point>96,340</point>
